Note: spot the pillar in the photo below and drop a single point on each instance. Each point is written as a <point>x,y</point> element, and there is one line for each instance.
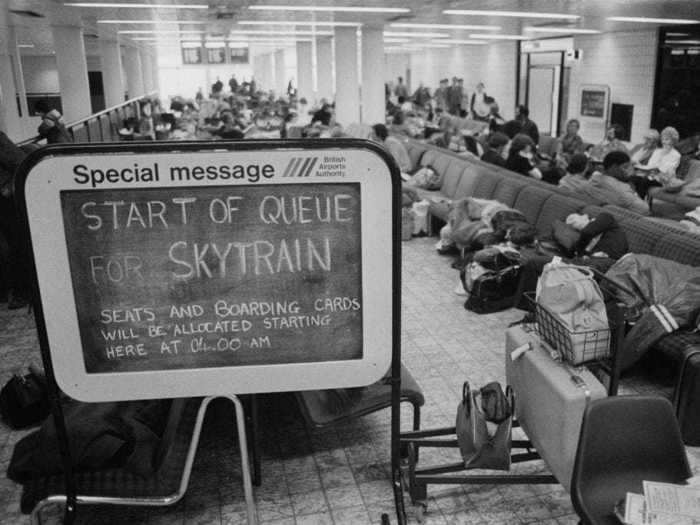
<point>373,106</point>
<point>324,68</point>
<point>155,73</point>
<point>111,70</point>
<point>347,94</point>
<point>72,70</point>
<point>10,120</point>
<point>281,79</point>
<point>305,82</point>
<point>145,57</point>
<point>134,73</point>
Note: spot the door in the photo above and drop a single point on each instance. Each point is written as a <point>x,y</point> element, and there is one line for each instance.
<point>541,92</point>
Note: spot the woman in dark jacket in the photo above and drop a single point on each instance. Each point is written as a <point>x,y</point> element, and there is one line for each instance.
<point>521,157</point>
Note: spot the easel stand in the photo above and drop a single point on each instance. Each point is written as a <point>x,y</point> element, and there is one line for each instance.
<point>71,498</point>
<point>420,478</point>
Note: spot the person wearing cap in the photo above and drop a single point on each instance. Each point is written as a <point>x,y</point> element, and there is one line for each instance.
<point>575,173</point>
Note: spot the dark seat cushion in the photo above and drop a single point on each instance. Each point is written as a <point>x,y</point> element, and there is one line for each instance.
<point>485,185</point>
<point>507,190</point>
<point>682,248</point>
<point>556,207</point>
<point>530,201</point>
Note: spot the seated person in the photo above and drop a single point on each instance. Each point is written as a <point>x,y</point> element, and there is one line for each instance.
<point>521,157</point>
<point>612,186</point>
<point>381,135</point>
<point>641,153</point>
<point>575,173</point>
<point>496,145</point>
<point>600,237</point>
<point>495,120</point>
<point>611,142</point>
<point>570,143</point>
<point>662,164</point>
<point>464,145</point>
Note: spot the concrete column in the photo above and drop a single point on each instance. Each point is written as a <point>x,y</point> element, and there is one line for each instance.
<point>111,71</point>
<point>72,71</point>
<point>305,82</point>
<point>134,73</point>
<point>347,93</point>
<point>145,57</point>
<point>264,72</point>
<point>373,107</point>
<point>10,120</point>
<point>280,73</point>
<point>324,68</point>
<point>155,74</point>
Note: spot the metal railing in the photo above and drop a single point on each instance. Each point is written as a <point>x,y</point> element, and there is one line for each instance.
<point>102,126</point>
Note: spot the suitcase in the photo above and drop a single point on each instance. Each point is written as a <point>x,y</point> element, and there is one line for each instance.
<point>549,399</point>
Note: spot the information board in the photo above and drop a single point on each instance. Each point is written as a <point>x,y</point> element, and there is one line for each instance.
<point>594,101</point>
<point>166,274</point>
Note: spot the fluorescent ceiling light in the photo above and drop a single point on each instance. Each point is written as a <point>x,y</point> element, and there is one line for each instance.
<point>191,45</point>
<point>337,9</point>
<point>159,32</point>
<point>25,45</point>
<point>149,22</point>
<point>515,14</point>
<point>272,32</point>
<point>141,6</point>
<point>417,35</point>
<point>486,36</point>
<point>304,23</point>
<point>645,20</point>
<point>422,46</point>
<point>238,45</point>
<point>684,42</point>
<point>447,26</point>
<point>396,40</point>
<point>214,45</point>
<point>460,41</point>
<point>677,34</point>
<point>269,39</point>
<point>563,30</point>
<point>154,39</point>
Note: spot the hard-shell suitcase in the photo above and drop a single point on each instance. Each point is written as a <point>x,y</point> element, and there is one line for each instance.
<point>550,398</point>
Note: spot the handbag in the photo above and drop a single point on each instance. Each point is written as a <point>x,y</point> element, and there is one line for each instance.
<point>481,446</point>
<point>24,400</point>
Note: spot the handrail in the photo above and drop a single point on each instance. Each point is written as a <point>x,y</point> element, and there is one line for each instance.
<point>95,116</point>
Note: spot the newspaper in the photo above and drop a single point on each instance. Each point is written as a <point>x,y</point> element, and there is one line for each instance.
<point>679,500</point>
<point>635,512</point>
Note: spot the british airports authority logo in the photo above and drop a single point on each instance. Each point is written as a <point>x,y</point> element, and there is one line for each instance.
<point>329,166</point>
<point>300,167</point>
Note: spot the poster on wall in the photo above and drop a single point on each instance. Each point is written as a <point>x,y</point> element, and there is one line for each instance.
<point>239,55</point>
<point>191,54</point>
<point>594,101</point>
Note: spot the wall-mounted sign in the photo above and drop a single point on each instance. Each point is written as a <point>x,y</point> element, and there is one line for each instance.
<point>239,55</point>
<point>203,271</point>
<point>192,55</point>
<point>216,55</point>
<point>595,101</point>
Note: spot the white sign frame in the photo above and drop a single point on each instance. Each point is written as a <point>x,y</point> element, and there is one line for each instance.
<point>52,173</point>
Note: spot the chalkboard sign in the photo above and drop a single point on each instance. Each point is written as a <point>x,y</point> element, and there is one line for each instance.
<point>594,103</point>
<point>197,273</point>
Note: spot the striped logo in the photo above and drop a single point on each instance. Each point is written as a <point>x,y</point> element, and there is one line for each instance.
<point>300,167</point>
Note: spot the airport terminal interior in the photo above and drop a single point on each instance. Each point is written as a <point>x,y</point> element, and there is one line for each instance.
<point>538,180</point>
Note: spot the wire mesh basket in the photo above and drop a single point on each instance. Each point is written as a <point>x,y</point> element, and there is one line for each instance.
<point>574,347</point>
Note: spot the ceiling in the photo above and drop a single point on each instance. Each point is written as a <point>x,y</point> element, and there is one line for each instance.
<point>223,16</point>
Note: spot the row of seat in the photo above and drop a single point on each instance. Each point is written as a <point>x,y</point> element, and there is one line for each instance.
<point>541,203</point>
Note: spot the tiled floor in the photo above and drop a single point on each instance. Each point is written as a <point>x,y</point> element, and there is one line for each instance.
<point>339,475</point>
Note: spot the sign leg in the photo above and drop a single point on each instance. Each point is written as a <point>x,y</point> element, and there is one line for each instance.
<point>245,466</point>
